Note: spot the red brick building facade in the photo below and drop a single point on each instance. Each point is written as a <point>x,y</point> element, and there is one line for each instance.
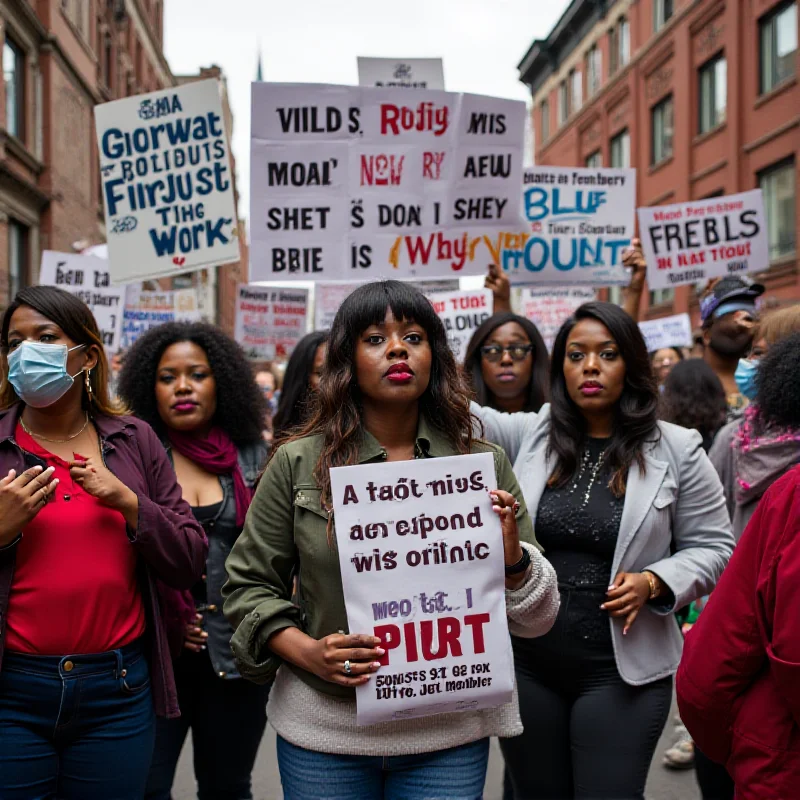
<point>700,96</point>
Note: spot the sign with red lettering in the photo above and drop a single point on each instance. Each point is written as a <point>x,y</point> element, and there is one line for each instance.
<point>462,313</point>
<point>549,307</point>
<point>691,242</point>
<point>270,322</point>
<point>421,555</point>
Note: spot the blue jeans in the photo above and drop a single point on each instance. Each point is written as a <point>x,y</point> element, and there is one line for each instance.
<point>76,727</point>
<point>455,774</point>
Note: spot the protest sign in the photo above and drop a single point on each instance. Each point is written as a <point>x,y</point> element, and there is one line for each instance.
<point>87,277</point>
<point>146,309</point>
<point>270,321</point>
<point>355,184</point>
<point>167,182</point>
<point>421,555</point>
<point>672,331</point>
<point>401,73</point>
<point>691,242</point>
<point>548,308</point>
<point>580,221</point>
<point>462,313</point>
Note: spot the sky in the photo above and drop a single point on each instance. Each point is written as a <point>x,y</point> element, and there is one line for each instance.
<point>317,41</point>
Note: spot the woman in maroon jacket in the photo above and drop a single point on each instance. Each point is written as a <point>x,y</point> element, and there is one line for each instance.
<point>91,518</point>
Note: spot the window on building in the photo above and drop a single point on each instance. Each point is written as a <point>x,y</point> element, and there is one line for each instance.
<point>615,295</point>
<point>778,33</point>
<point>17,258</point>
<point>108,61</point>
<point>576,89</point>
<point>14,79</point>
<point>662,11</point>
<point>77,11</point>
<point>595,159</point>
<point>594,70</point>
<point>563,102</point>
<point>659,296</point>
<point>619,45</point>
<point>621,149</point>
<point>713,93</point>
<point>780,198</point>
<point>662,127</point>
<point>545,119</point>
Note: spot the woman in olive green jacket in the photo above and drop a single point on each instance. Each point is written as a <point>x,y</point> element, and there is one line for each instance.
<point>390,391</point>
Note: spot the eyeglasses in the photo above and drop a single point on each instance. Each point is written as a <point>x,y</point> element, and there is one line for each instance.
<point>494,353</point>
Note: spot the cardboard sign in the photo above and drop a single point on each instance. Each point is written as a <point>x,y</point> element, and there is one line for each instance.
<point>550,307</point>
<point>145,310</point>
<point>691,242</point>
<point>401,73</point>
<point>167,182</point>
<point>351,184</point>
<point>672,331</point>
<point>580,221</point>
<point>421,555</point>
<point>270,322</point>
<point>88,278</point>
<point>462,314</point>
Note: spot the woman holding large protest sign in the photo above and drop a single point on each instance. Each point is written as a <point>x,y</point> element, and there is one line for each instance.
<point>390,392</point>
<point>193,384</point>
<point>91,521</point>
<point>632,516</point>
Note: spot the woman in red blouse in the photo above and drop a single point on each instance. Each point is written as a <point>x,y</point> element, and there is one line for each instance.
<point>91,518</point>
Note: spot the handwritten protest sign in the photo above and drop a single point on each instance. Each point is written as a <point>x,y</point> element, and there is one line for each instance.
<point>580,221</point>
<point>672,331</point>
<point>146,309</point>
<point>355,183</point>
<point>548,308</point>
<point>421,555</point>
<point>462,313</point>
<point>270,322</point>
<point>88,278</point>
<point>691,242</point>
<point>167,182</point>
<point>401,73</point>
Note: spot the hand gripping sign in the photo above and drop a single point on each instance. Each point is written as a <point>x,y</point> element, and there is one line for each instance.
<point>421,555</point>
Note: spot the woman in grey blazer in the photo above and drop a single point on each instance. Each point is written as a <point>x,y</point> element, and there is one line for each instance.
<point>632,516</point>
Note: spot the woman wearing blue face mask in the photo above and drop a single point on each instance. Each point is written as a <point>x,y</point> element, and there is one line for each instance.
<point>91,519</point>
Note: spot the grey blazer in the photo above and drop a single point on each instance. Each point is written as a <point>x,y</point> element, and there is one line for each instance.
<point>674,523</point>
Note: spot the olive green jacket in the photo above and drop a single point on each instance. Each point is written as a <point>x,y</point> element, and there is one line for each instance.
<point>285,537</point>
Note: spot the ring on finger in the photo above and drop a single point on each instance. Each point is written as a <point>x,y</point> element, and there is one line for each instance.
<point>348,667</point>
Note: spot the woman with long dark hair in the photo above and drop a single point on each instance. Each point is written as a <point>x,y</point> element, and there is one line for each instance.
<point>631,515</point>
<point>390,391</point>
<point>91,524</point>
<point>507,364</point>
<point>193,384</point>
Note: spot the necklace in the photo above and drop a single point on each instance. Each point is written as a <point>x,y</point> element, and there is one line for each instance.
<point>594,470</point>
<point>54,441</point>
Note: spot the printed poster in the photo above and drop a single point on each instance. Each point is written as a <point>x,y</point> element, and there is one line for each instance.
<point>550,307</point>
<point>167,182</point>
<point>421,555</point>
<point>147,309</point>
<point>463,313</point>
<point>672,331</point>
<point>270,321</point>
<point>401,73</point>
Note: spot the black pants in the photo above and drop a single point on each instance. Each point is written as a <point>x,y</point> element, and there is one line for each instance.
<point>587,734</point>
<point>712,778</point>
<point>227,719</point>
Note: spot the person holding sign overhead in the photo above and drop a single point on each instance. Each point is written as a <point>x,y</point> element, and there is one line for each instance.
<point>632,516</point>
<point>91,521</point>
<point>390,391</point>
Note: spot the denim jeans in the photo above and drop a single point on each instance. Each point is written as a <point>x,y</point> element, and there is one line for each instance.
<point>455,774</point>
<point>75,727</point>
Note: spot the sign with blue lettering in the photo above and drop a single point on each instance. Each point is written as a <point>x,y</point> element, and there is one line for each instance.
<point>580,222</point>
<point>167,182</point>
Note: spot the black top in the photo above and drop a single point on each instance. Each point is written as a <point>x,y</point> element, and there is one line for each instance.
<point>204,514</point>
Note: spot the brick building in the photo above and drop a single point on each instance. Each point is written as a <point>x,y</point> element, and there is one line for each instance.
<point>700,96</point>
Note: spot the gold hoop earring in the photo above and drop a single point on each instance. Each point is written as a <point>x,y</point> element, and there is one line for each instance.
<point>88,383</point>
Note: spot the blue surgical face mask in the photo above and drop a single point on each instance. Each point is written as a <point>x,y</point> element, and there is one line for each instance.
<point>745,377</point>
<point>38,373</point>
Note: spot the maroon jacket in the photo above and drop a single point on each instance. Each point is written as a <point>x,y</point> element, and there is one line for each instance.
<point>171,543</point>
<point>739,680</point>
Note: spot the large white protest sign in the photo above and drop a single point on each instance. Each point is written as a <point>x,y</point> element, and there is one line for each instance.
<point>87,277</point>
<point>148,309</point>
<point>691,242</point>
<point>421,555</point>
<point>580,221</point>
<point>352,183</point>
<point>462,313</point>
<point>672,331</point>
<point>270,321</point>
<point>548,308</point>
<point>167,182</point>
<point>401,73</point>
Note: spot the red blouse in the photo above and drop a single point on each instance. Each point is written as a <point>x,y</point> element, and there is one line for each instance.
<point>74,588</point>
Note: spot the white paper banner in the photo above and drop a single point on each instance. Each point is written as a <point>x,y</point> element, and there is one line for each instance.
<point>421,555</point>
<point>167,182</point>
<point>691,242</point>
<point>146,309</point>
<point>401,73</point>
<point>550,307</point>
<point>270,321</point>
<point>462,313</point>
<point>88,277</point>
<point>672,331</point>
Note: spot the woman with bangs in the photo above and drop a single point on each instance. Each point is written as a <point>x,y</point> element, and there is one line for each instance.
<point>390,391</point>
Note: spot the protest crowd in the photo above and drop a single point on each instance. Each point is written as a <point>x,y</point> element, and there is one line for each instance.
<point>391,516</point>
